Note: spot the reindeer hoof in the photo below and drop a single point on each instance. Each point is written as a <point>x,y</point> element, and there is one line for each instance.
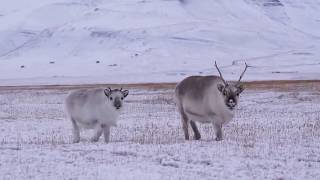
<point>94,139</point>
<point>218,139</point>
<point>76,140</point>
<point>197,137</point>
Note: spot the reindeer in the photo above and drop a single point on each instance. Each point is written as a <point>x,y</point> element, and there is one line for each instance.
<point>207,99</point>
<point>95,109</point>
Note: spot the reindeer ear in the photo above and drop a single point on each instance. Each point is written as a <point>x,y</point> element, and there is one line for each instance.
<point>125,93</point>
<point>240,88</point>
<point>107,92</point>
<point>220,87</point>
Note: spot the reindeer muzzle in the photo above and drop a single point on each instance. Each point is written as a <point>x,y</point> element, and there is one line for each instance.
<point>117,104</point>
<point>231,104</point>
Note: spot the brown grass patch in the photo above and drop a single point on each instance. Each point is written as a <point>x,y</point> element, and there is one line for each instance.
<point>279,85</point>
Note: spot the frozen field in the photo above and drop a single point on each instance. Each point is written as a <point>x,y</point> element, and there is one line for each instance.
<point>274,135</point>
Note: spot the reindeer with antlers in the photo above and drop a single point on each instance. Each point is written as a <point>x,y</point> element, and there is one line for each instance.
<point>207,99</point>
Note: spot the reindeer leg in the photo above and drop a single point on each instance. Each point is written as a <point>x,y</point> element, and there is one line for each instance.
<point>97,134</point>
<point>184,120</point>
<point>106,133</point>
<point>218,131</point>
<point>75,131</point>
<point>185,123</point>
<point>197,135</point>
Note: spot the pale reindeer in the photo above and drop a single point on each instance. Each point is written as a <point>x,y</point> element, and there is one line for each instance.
<point>95,109</point>
<point>207,99</point>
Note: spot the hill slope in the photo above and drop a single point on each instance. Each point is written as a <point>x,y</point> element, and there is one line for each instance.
<point>60,42</point>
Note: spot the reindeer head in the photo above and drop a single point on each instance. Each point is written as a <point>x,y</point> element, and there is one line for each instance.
<point>231,91</point>
<point>116,96</point>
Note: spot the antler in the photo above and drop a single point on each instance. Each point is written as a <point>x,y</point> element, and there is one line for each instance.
<point>225,83</point>
<point>245,69</point>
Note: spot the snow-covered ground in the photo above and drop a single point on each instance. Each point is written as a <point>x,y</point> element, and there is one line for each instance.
<point>59,41</point>
<point>274,135</point>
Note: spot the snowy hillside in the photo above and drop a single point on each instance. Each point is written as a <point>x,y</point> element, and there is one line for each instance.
<point>60,41</point>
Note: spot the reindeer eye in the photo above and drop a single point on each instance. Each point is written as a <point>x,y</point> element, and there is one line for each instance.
<point>122,98</point>
<point>224,93</point>
<point>111,98</point>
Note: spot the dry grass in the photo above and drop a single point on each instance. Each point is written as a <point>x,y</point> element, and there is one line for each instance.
<point>280,85</point>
